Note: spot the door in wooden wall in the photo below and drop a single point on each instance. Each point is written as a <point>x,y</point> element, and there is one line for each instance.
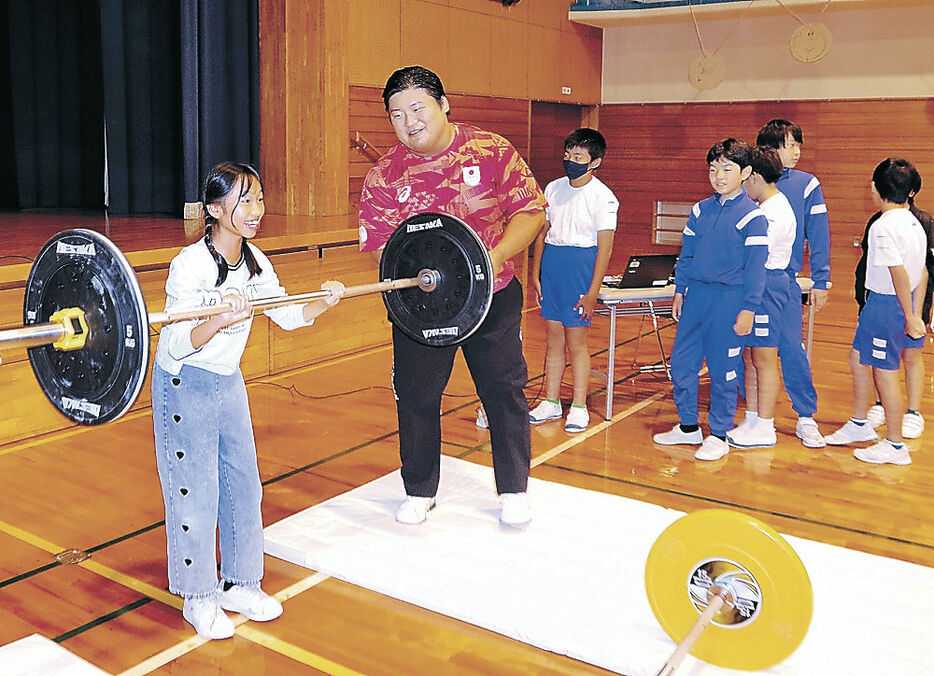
<point>550,124</point>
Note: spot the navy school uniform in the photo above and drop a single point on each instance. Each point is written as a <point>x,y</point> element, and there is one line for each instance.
<point>721,271</point>
<point>807,200</point>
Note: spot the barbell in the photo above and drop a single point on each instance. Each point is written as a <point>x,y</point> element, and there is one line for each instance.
<point>730,589</point>
<point>86,326</point>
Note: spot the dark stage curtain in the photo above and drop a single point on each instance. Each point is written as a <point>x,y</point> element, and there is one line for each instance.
<point>174,83</point>
<point>142,104</point>
<point>51,105</point>
<point>220,82</point>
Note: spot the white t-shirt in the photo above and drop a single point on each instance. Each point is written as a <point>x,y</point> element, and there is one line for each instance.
<point>896,238</point>
<point>576,214</point>
<point>190,284</point>
<point>782,230</point>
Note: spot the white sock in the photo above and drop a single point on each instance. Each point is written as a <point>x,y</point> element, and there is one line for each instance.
<point>751,416</point>
<point>766,423</point>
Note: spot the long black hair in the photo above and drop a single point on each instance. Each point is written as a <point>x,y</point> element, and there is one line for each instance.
<point>221,180</point>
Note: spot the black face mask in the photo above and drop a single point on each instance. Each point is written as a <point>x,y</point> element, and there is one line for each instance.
<point>575,169</point>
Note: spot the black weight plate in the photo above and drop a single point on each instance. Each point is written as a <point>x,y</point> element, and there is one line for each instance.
<point>459,304</point>
<point>100,382</point>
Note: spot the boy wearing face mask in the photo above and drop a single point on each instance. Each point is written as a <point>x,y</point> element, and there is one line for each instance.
<point>570,259</point>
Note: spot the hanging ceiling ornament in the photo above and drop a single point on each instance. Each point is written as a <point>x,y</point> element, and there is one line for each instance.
<point>810,42</point>
<point>708,70</point>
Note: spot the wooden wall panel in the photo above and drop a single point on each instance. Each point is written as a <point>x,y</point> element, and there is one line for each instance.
<point>658,152</point>
<point>425,37</point>
<point>374,43</point>
<point>470,41</point>
<point>509,70</point>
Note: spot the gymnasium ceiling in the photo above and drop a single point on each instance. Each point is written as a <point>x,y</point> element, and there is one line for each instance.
<point>605,13</point>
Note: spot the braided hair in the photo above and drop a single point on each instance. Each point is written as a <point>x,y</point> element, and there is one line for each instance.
<point>220,182</point>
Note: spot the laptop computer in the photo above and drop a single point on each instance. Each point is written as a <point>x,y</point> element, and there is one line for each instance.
<point>646,271</point>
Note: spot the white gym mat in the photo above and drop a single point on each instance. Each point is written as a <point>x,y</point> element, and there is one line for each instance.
<point>573,581</point>
<point>38,656</point>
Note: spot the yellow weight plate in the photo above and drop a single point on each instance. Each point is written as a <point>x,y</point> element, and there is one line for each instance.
<point>771,588</point>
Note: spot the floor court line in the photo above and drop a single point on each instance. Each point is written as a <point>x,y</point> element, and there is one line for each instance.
<point>248,631</point>
<point>749,508</point>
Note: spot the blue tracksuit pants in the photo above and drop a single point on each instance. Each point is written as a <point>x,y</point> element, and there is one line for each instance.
<point>705,332</point>
<point>796,369</point>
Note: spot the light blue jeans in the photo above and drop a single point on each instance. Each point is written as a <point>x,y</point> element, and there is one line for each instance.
<point>210,482</point>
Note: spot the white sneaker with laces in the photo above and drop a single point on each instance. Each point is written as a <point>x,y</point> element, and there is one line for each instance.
<point>675,436</point>
<point>712,449</point>
<point>414,510</point>
<point>884,453</point>
<point>205,615</point>
<point>851,433</point>
<point>578,419</point>
<point>250,601</point>
<point>806,430</point>
<point>876,416</point>
<point>912,425</point>
<point>754,435</point>
<point>547,410</point>
<point>515,509</point>
<point>482,422</point>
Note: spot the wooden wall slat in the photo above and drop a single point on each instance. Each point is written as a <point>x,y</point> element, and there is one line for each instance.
<point>658,153</point>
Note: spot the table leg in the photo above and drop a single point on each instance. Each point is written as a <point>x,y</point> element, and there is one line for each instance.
<point>611,358</point>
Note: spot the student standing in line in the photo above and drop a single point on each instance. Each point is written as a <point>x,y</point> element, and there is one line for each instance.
<point>896,281</point>
<point>719,281</point>
<point>778,298</point>
<point>570,259</point>
<point>807,201</point>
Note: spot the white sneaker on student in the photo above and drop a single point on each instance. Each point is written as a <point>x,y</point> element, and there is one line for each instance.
<point>912,425</point>
<point>205,615</point>
<point>753,435</point>
<point>250,601</point>
<point>675,437</point>
<point>712,449</point>
<point>876,416</point>
<point>578,419</point>
<point>515,509</point>
<point>884,453</point>
<point>806,430</point>
<point>414,510</point>
<point>547,410</point>
<point>851,433</point>
<point>482,422</point>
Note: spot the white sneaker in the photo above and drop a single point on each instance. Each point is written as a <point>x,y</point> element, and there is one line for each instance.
<point>675,437</point>
<point>205,615</point>
<point>754,435</point>
<point>578,419</point>
<point>806,430</point>
<point>851,433</point>
<point>876,416</point>
<point>884,453</point>
<point>482,422</point>
<point>547,410</point>
<point>514,509</point>
<point>712,449</point>
<point>414,510</point>
<point>250,601</point>
<point>912,425</point>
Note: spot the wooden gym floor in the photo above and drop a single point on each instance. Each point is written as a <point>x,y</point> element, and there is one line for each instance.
<point>96,489</point>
